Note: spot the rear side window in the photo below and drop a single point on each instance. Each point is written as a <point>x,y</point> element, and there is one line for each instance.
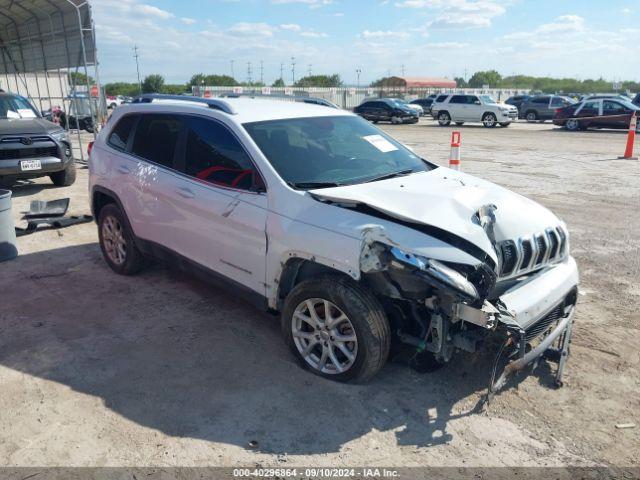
<point>214,155</point>
<point>441,98</point>
<point>458,99</point>
<point>156,138</point>
<point>120,134</point>
<point>540,100</point>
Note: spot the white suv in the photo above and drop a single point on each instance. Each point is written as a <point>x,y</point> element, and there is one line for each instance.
<point>460,108</point>
<point>323,218</point>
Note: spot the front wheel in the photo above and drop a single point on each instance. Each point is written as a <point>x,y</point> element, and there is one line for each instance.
<point>489,120</point>
<point>336,329</point>
<point>117,242</point>
<point>444,119</point>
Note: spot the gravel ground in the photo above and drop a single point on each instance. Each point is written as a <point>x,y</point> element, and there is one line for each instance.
<point>162,370</point>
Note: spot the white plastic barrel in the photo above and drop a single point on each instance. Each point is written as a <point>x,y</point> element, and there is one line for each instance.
<point>8,249</point>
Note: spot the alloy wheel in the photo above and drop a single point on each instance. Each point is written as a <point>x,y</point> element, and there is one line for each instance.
<point>324,336</point>
<point>113,239</point>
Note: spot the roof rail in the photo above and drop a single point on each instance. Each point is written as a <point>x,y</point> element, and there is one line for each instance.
<point>293,98</point>
<point>214,103</point>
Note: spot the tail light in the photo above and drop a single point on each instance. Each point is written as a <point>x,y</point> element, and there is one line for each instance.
<point>89,148</point>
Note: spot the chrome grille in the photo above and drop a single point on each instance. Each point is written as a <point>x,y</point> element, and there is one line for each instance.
<point>532,252</point>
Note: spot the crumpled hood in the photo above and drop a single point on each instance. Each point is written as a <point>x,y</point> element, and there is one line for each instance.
<point>449,200</point>
<point>27,126</point>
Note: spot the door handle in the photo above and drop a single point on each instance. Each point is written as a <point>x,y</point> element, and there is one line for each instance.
<point>185,192</point>
<point>124,169</point>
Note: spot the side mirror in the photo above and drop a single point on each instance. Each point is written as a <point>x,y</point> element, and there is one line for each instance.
<point>477,102</point>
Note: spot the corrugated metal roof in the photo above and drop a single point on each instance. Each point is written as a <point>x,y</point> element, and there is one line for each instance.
<point>39,35</point>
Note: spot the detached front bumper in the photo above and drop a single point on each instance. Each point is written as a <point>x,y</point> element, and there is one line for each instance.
<point>538,316</point>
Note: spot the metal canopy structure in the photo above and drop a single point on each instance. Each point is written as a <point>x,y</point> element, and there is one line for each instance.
<point>42,40</point>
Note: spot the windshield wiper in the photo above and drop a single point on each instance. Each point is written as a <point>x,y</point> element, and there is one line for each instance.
<point>391,175</point>
<point>313,185</point>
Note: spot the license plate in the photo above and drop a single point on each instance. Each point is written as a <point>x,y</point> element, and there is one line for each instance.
<point>26,165</point>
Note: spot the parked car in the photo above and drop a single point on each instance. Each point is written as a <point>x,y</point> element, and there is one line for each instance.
<point>79,116</point>
<point>386,110</point>
<point>317,101</point>
<point>598,113</point>
<point>542,107</point>
<point>114,101</point>
<point>517,100</point>
<point>412,106</point>
<point>319,216</point>
<point>636,100</point>
<point>31,146</point>
<point>425,103</point>
<point>460,108</point>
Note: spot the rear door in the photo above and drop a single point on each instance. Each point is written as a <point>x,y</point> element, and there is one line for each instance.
<point>457,108</point>
<point>614,115</point>
<point>221,203</point>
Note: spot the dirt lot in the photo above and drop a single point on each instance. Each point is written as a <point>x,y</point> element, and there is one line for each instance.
<point>159,369</point>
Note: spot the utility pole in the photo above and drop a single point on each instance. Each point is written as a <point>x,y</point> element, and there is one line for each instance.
<point>233,75</point>
<point>249,73</point>
<point>358,72</point>
<point>261,72</point>
<point>293,70</point>
<point>465,74</point>
<point>282,71</point>
<point>309,71</point>
<point>403,69</point>
<point>135,55</point>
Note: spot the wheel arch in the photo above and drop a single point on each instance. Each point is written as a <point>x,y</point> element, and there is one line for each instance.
<point>101,196</point>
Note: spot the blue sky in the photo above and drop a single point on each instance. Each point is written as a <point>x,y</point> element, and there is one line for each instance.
<point>573,38</point>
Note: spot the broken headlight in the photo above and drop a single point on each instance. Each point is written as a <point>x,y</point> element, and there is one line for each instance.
<point>436,273</point>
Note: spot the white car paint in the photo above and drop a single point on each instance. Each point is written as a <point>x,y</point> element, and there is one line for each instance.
<point>249,237</point>
<point>474,112</point>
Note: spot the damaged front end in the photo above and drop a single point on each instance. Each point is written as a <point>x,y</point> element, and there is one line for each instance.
<point>441,307</point>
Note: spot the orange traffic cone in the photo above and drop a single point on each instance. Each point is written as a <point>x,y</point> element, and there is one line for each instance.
<point>631,138</point>
<point>454,158</point>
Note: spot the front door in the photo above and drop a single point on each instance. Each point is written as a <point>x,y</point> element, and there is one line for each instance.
<point>222,204</point>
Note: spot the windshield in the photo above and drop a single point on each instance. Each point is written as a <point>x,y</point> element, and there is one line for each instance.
<point>328,151</point>
<point>487,99</point>
<point>13,106</point>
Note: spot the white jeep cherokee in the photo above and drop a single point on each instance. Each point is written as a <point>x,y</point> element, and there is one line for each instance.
<point>317,214</point>
<point>460,108</point>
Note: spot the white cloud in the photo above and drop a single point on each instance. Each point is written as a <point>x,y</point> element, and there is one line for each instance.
<point>294,27</point>
<point>188,21</point>
<point>152,11</point>
<point>313,34</point>
<point>384,34</point>
<point>246,29</point>
<point>458,13</point>
<point>310,3</point>
<point>449,45</point>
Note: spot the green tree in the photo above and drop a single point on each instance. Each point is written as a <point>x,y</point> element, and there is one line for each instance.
<point>152,83</point>
<point>460,82</point>
<point>320,81</point>
<point>278,83</point>
<point>122,88</point>
<point>202,80</point>
<point>379,83</point>
<point>489,77</point>
<point>78,78</point>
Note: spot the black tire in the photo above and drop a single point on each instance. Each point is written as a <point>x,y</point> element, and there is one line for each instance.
<point>444,119</point>
<point>459,123</point>
<point>489,120</point>
<point>531,116</point>
<point>134,261</point>
<point>365,313</point>
<point>7,181</point>
<point>505,124</point>
<point>572,125</point>
<point>66,177</point>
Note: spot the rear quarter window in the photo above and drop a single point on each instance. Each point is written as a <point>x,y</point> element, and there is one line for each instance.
<point>119,136</point>
<point>441,98</point>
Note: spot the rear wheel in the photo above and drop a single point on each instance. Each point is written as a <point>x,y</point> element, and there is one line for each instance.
<point>336,328</point>
<point>444,119</point>
<point>396,120</point>
<point>65,177</point>
<point>117,242</point>
<point>489,120</point>
<point>572,125</point>
<point>531,116</point>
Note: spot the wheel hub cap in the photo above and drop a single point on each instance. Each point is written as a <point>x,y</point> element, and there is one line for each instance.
<point>324,336</point>
<point>113,239</point>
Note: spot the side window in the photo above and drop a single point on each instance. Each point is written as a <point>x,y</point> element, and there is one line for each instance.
<point>595,105</point>
<point>540,100</point>
<point>472,100</point>
<point>557,102</point>
<point>613,107</point>
<point>367,105</point>
<point>120,134</point>
<point>441,98</point>
<point>214,155</point>
<point>156,138</point>
<point>458,99</point>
